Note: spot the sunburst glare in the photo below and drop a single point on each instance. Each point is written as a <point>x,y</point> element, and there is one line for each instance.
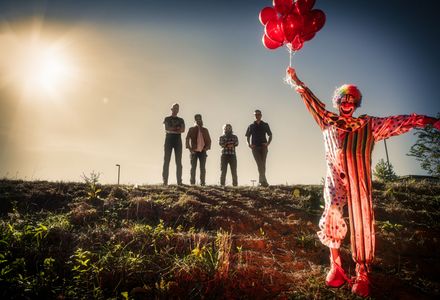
<point>39,67</point>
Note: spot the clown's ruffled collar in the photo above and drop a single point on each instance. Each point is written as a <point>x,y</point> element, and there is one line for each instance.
<point>348,124</point>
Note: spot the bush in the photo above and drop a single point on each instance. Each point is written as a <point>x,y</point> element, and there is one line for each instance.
<point>384,172</point>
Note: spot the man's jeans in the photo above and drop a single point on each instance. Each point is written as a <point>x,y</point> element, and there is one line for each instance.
<point>172,141</point>
<point>230,159</point>
<point>201,156</point>
<point>260,154</point>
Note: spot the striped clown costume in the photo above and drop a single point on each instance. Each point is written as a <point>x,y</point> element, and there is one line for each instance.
<point>349,142</point>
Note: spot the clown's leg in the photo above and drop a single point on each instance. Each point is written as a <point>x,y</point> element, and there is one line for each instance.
<point>361,286</point>
<point>334,256</point>
<point>336,276</point>
<point>362,240</point>
<point>333,230</point>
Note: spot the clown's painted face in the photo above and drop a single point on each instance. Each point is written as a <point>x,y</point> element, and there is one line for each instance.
<point>347,106</point>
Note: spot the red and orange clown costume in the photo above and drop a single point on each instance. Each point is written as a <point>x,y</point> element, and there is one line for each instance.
<point>349,143</point>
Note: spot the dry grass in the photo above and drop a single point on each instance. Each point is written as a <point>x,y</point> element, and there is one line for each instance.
<point>154,242</point>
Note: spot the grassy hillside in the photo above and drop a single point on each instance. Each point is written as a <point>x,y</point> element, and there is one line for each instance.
<point>73,240</point>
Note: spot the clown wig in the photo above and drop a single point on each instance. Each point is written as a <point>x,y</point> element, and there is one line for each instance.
<point>347,89</point>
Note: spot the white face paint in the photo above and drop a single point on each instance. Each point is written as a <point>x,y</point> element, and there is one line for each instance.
<point>347,106</point>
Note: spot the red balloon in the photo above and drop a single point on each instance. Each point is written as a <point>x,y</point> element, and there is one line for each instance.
<point>283,6</point>
<point>307,36</point>
<point>267,14</point>
<point>292,25</point>
<point>274,31</point>
<point>317,17</point>
<point>297,43</point>
<point>304,6</point>
<point>270,44</point>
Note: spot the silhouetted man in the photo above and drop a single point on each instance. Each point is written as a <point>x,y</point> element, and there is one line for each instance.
<point>198,142</point>
<point>174,126</point>
<point>228,141</point>
<point>256,139</point>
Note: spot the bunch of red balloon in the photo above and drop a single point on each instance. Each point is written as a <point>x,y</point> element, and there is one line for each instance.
<point>290,22</point>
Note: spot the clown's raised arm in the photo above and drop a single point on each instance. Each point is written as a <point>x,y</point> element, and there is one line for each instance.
<point>382,128</point>
<point>322,116</point>
<point>390,126</point>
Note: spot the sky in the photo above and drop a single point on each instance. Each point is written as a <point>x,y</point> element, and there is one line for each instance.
<point>112,70</point>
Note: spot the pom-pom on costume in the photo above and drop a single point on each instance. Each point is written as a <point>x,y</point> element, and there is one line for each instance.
<point>348,144</point>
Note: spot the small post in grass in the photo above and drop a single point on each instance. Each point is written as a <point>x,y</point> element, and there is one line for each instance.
<point>119,171</point>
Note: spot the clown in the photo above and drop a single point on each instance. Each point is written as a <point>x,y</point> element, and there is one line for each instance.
<point>349,142</point>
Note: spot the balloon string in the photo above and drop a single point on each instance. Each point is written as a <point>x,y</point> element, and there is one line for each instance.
<point>287,79</point>
<point>290,57</point>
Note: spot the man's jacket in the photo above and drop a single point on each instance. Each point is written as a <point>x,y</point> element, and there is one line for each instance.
<point>191,138</point>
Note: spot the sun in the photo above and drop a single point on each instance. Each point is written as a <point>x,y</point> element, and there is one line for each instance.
<point>42,69</point>
<point>37,65</point>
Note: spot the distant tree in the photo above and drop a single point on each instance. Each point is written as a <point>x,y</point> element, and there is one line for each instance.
<point>384,171</point>
<point>427,149</point>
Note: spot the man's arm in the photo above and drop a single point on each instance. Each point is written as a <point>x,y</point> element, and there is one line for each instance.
<point>248,137</point>
<point>207,140</point>
<point>270,140</point>
<point>269,134</point>
<point>166,125</point>
<point>174,129</point>
<point>232,142</point>
<point>182,127</point>
<point>187,139</point>
<point>248,140</point>
<point>222,141</point>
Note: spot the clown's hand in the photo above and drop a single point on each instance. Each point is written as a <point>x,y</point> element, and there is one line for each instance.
<point>292,78</point>
<point>437,125</point>
<point>430,120</point>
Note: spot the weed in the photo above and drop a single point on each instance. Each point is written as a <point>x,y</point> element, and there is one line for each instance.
<point>58,221</point>
<point>92,182</point>
<point>40,232</point>
<point>306,240</point>
<point>239,256</point>
<point>388,226</point>
<point>223,243</point>
<point>125,295</point>
<point>389,192</point>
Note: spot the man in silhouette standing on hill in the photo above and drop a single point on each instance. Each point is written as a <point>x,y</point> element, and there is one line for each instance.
<point>228,141</point>
<point>198,142</point>
<point>257,141</point>
<point>174,127</point>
